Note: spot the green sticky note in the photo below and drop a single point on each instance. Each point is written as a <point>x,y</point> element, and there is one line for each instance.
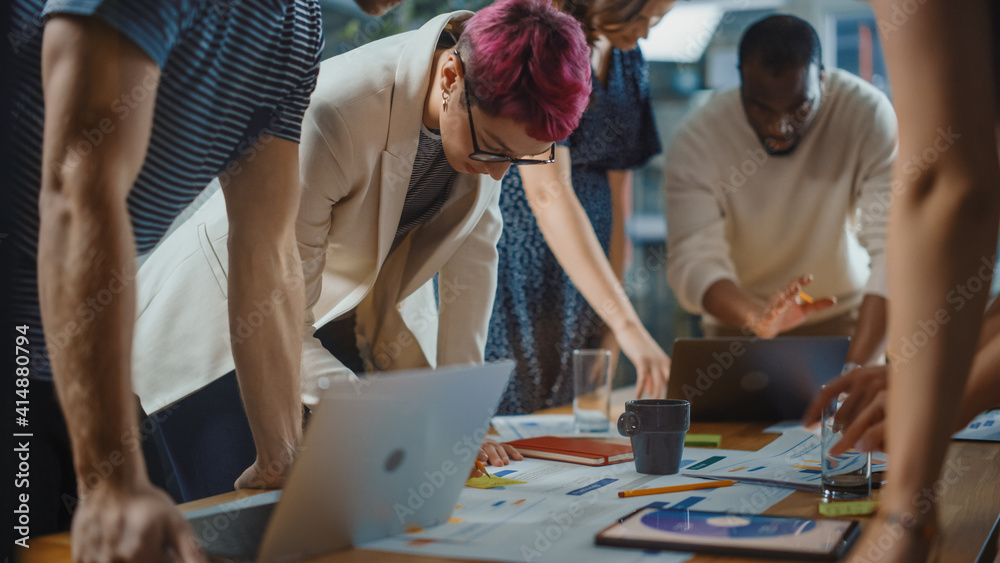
<point>851,508</point>
<point>702,440</point>
<point>493,482</point>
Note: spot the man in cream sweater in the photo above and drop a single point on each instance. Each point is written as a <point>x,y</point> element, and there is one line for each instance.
<point>780,183</point>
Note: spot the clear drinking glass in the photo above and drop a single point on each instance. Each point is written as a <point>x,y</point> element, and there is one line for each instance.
<point>591,390</point>
<point>848,475</point>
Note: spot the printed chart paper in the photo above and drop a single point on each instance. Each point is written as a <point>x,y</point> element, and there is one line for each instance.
<point>984,428</point>
<point>792,460</point>
<point>556,513</point>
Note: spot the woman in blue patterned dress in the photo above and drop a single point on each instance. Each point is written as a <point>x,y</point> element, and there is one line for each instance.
<point>563,220</point>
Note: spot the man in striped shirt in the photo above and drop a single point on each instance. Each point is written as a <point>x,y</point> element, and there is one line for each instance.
<point>123,113</point>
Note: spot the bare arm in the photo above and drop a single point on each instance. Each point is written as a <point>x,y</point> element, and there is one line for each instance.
<point>727,302</point>
<point>619,250</point>
<point>782,312</point>
<point>569,234</point>
<point>943,223</point>
<point>868,343</point>
<point>873,191</point>
<point>85,238</point>
<point>621,209</point>
<point>265,279</point>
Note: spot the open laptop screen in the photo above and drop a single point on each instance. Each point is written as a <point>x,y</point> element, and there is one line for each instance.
<point>751,379</point>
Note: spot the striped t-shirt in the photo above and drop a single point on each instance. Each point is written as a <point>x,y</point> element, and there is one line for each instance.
<point>429,186</point>
<point>231,70</point>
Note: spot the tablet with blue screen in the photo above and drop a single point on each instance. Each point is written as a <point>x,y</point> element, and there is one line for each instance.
<point>772,537</point>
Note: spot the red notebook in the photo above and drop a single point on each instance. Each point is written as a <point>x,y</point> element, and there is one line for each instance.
<point>586,451</point>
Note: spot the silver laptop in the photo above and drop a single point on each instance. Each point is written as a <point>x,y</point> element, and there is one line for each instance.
<point>380,456</point>
<point>751,379</point>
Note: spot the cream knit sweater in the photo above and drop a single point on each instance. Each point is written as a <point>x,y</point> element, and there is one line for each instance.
<point>734,212</point>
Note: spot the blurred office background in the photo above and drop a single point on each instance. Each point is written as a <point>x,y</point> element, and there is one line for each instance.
<point>691,52</point>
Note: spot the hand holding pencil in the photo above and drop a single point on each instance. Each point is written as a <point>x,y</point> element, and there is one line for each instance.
<point>788,309</point>
<point>482,468</point>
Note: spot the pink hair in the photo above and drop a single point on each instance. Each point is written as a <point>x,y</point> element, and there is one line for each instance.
<point>529,62</point>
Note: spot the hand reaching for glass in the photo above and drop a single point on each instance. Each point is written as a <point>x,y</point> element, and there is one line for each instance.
<point>862,413</point>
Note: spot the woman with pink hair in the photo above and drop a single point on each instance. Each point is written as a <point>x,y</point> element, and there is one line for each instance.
<point>562,253</point>
<point>403,148</point>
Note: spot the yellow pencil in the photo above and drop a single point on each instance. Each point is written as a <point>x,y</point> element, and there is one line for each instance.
<point>805,296</point>
<point>676,489</point>
<point>482,468</point>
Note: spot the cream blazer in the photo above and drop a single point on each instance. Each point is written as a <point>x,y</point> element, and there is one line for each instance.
<point>359,142</point>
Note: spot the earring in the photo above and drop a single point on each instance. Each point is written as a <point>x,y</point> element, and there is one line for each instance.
<point>444,101</point>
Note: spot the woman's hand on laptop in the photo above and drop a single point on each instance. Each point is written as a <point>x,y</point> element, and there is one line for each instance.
<point>862,414</point>
<point>498,454</point>
<point>788,309</point>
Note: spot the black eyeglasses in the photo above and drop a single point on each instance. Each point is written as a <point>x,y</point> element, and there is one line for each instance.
<point>483,156</point>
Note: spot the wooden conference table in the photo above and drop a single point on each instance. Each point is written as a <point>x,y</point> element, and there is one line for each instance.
<point>968,509</point>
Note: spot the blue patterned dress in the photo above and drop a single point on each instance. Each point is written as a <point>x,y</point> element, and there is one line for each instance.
<point>539,317</point>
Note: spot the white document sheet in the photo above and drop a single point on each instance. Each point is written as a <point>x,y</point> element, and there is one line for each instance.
<point>518,427</point>
<point>556,513</point>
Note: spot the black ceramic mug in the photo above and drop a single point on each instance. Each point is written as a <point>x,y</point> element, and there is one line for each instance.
<point>657,428</point>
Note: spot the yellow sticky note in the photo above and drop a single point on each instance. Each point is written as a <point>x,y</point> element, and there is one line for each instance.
<point>852,508</point>
<point>485,482</point>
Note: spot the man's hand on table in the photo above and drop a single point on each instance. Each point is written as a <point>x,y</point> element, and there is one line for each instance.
<point>131,523</point>
<point>269,471</point>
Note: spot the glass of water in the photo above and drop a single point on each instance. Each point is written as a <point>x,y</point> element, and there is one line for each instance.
<point>848,475</point>
<point>591,390</point>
